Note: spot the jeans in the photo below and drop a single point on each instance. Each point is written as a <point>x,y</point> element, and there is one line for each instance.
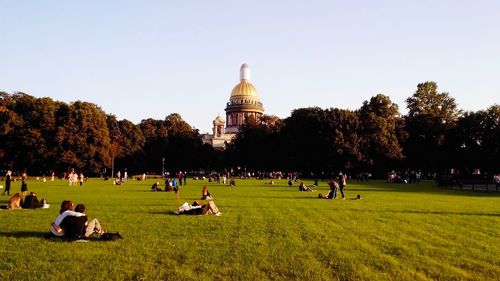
<point>342,191</point>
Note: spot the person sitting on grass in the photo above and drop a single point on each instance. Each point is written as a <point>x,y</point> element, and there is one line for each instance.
<point>155,187</point>
<point>232,182</point>
<point>78,227</point>
<point>15,202</point>
<point>303,187</point>
<point>205,194</point>
<point>198,209</point>
<point>32,202</point>
<point>168,186</point>
<point>66,210</point>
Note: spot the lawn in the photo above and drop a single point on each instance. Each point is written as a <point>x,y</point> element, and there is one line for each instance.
<point>396,232</point>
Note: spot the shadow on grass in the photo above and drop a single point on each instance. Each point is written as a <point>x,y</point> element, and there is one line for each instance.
<point>429,212</point>
<point>160,212</point>
<point>313,196</point>
<point>25,234</point>
<point>443,213</point>
<point>435,190</point>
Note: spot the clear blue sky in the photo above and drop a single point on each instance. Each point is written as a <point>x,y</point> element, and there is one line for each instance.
<point>147,59</point>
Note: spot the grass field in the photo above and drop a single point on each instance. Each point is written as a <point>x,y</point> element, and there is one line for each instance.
<point>397,232</point>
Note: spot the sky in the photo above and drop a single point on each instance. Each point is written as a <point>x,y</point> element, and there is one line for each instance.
<point>148,59</point>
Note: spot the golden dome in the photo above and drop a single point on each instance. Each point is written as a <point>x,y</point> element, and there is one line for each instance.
<point>219,119</point>
<point>245,89</point>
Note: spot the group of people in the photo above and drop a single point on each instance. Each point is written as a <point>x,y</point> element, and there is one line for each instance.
<point>74,178</point>
<point>30,201</point>
<point>335,186</point>
<point>198,208</point>
<point>170,185</point>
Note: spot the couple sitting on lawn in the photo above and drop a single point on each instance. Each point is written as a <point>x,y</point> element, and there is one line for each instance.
<point>73,224</point>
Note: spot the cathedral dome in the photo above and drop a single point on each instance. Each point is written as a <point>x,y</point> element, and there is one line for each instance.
<point>244,89</point>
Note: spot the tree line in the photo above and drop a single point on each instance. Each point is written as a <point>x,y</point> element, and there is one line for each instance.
<point>44,135</point>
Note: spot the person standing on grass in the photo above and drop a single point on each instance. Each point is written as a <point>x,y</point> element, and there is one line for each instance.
<point>8,179</point>
<point>496,179</point>
<point>175,189</point>
<point>179,177</point>
<point>24,183</point>
<point>342,183</point>
<point>82,178</point>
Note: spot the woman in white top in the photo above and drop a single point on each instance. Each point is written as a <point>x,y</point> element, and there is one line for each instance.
<point>66,210</point>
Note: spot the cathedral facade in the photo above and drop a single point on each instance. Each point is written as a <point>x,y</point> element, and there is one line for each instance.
<point>244,104</point>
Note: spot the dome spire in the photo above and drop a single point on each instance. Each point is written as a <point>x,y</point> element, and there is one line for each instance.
<point>244,72</point>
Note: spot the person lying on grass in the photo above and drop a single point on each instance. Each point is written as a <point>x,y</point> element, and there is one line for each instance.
<point>329,195</point>
<point>303,187</point>
<point>198,209</point>
<point>73,224</point>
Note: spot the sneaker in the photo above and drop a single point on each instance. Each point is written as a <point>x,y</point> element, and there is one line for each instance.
<point>218,214</point>
<point>343,198</point>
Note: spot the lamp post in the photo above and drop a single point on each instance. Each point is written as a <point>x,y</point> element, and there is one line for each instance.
<point>163,167</point>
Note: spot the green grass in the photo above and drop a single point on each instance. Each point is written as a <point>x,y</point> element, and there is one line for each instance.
<point>397,232</point>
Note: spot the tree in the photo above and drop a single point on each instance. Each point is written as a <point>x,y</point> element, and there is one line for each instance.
<point>319,140</point>
<point>83,137</point>
<point>172,139</point>
<point>257,145</point>
<point>476,140</point>
<point>430,117</point>
<point>30,122</point>
<point>10,121</point>
<point>380,143</point>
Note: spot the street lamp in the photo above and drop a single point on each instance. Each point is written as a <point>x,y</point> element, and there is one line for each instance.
<point>163,167</point>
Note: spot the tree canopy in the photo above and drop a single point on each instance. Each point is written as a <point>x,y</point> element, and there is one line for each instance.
<point>44,135</point>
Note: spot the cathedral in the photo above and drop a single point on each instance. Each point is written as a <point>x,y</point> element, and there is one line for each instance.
<point>244,103</point>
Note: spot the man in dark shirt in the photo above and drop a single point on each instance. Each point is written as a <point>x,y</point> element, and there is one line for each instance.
<point>74,227</point>
<point>32,202</point>
<point>8,179</point>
